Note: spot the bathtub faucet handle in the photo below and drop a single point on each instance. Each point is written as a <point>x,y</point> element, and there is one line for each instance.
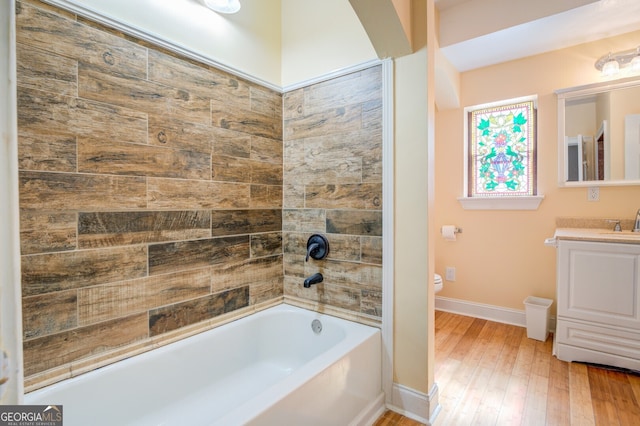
<point>317,247</point>
<point>311,250</point>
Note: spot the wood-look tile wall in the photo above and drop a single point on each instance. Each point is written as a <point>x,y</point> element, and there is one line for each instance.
<point>150,190</point>
<point>333,185</point>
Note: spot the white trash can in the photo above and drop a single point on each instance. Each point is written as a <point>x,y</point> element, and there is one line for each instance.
<point>537,315</point>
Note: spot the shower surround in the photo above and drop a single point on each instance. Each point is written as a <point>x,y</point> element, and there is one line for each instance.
<point>333,185</point>
<point>157,200</point>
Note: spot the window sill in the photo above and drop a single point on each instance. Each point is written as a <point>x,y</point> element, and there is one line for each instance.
<point>501,203</point>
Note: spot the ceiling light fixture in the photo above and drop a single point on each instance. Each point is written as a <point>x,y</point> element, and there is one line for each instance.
<point>612,63</point>
<point>223,6</point>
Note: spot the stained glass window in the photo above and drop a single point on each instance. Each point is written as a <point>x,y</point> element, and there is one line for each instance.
<point>502,150</point>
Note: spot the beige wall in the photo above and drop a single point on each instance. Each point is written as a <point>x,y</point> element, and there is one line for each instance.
<point>411,213</point>
<point>500,256</point>
<point>403,9</point>
<point>319,38</point>
<point>622,103</point>
<point>580,119</point>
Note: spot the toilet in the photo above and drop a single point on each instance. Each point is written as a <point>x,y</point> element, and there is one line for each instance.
<point>437,280</point>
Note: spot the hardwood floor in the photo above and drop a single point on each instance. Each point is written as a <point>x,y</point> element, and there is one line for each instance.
<point>389,418</point>
<point>490,373</point>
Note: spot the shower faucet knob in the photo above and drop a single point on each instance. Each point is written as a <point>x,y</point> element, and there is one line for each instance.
<point>317,247</point>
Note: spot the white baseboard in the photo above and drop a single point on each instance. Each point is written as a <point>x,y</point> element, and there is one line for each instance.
<point>415,405</point>
<point>488,312</point>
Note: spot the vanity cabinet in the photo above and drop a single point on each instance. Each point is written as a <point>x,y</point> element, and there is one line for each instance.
<point>598,301</point>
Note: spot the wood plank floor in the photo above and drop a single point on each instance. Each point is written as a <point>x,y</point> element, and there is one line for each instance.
<point>389,418</point>
<point>490,373</point>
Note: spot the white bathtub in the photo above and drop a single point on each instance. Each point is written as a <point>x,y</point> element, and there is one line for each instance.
<point>269,368</point>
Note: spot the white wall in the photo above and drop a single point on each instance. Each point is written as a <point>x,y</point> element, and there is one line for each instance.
<point>10,307</point>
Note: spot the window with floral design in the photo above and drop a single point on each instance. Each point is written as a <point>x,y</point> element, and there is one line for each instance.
<point>502,149</point>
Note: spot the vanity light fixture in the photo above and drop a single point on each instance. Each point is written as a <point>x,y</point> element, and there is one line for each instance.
<point>611,67</point>
<point>635,62</point>
<point>223,6</point>
<point>612,63</point>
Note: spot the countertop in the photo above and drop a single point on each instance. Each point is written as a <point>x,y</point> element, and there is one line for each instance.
<point>601,235</point>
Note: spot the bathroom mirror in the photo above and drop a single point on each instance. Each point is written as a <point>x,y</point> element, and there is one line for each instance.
<point>599,134</point>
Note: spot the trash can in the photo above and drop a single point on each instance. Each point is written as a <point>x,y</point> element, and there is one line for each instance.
<point>537,315</point>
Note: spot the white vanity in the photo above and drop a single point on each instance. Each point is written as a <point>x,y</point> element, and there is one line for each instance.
<point>598,269</point>
<point>598,297</point>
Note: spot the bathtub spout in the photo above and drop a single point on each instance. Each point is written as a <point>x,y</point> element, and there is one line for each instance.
<point>313,279</point>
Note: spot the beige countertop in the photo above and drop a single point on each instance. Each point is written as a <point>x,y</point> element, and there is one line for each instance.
<point>604,235</point>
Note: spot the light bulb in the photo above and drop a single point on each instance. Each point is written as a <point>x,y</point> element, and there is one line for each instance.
<point>610,68</point>
<point>635,64</point>
<point>223,6</point>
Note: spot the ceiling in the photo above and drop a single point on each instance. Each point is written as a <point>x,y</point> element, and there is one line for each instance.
<point>478,33</point>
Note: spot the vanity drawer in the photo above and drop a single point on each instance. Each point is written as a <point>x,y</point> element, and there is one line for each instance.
<point>609,340</point>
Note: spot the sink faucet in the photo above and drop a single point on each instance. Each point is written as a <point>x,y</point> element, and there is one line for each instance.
<point>636,227</point>
<point>617,227</point>
<point>313,279</point>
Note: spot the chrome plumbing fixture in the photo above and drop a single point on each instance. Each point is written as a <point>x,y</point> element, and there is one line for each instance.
<point>636,227</point>
<point>617,227</point>
<point>316,326</point>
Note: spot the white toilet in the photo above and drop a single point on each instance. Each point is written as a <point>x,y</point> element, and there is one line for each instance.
<point>437,280</point>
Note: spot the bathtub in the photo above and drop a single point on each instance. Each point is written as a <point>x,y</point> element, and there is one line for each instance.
<point>270,368</point>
